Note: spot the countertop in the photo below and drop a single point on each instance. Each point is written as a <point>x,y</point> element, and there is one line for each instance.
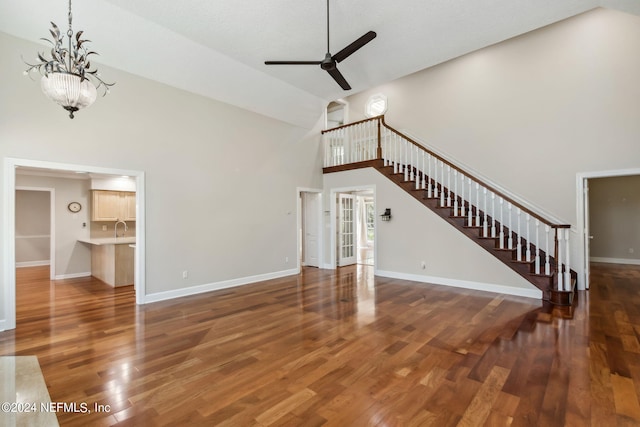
<point>109,241</point>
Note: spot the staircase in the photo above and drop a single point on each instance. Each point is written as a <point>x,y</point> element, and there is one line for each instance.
<point>533,246</point>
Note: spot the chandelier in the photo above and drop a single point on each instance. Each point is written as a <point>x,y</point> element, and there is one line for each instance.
<point>67,77</point>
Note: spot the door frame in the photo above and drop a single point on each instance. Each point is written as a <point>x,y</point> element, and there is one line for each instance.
<point>582,212</point>
<point>333,221</point>
<point>52,224</point>
<point>299,237</point>
<point>9,190</point>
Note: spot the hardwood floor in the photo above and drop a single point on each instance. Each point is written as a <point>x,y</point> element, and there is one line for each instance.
<point>335,349</point>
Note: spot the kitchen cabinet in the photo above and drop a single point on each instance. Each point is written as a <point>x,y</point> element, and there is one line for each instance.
<point>112,260</point>
<point>113,205</point>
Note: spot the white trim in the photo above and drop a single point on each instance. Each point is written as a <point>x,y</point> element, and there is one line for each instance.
<point>25,264</point>
<point>332,264</point>
<point>580,209</point>
<point>465,284</point>
<point>608,260</point>
<point>52,224</point>
<point>73,275</point>
<point>9,214</point>
<point>8,286</point>
<point>210,287</point>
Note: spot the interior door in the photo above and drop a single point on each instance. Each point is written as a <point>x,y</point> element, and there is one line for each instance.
<point>587,235</point>
<point>311,229</point>
<point>346,230</point>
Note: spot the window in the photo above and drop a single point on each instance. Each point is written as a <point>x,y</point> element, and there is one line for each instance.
<point>371,219</point>
<point>376,105</point>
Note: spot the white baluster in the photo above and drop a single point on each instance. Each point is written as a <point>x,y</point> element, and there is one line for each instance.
<point>455,192</point>
<point>547,264</point>
<point>424,169</point>
<point>415,169</point>
<point>442,184</point>
<point>501,223</point>
<point>429,190</point>
<point>519,236</point>
<point>485,224</point>
<point>470,209</point>
<point>462,205</point>
<point>405,162</point>
<point>537,264</point>
<point>355,141</point>
<point>395,153</point>
<point>477,204</point>
<point>528,253</point>
<point>448,186</point>
<point>510,240</point>
<point>414,163</point>
<point>493,214</point>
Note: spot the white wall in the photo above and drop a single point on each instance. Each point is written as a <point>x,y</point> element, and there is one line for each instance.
<point>220,181</point>
<point>33,228</point>
<point>417,234</point>
<point>72,258</point>
<point>532,112</point>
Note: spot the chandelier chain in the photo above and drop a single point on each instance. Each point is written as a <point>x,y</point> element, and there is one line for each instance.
<point>70,32</point>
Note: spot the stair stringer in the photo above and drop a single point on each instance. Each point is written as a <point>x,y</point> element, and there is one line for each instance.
<point>416,234</point>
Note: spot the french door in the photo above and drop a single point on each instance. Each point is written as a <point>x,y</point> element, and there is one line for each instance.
<point>346,230</point>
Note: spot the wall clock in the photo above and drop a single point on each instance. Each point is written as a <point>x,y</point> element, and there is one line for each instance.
<point>74,207</point>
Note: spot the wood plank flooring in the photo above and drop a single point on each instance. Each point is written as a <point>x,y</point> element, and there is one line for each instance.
<point>334,348</point>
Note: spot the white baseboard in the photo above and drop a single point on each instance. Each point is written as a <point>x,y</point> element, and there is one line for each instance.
<point>3,325</point>
<point>32,263</point>
<point>615,260</point>
<point>209,287</point>
<point>72,276</point>
<point>477,286</point>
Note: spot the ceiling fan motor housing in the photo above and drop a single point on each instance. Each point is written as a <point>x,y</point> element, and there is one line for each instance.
<point>328,63</point>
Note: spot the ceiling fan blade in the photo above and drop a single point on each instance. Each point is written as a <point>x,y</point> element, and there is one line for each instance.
<point>292,62</point>
<point>339,78</point>
<point>344,53</point>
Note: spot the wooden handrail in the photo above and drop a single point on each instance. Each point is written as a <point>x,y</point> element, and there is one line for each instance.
<point>353,124</point>
<point>381,120</point>
<point>476,179</point>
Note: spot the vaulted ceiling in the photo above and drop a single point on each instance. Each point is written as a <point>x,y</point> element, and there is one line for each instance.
<point>218,48</point>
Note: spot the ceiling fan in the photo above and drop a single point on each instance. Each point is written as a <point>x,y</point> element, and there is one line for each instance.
<point>329,63</point>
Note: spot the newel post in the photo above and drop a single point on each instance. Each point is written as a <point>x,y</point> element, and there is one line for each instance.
<point>379,151</point>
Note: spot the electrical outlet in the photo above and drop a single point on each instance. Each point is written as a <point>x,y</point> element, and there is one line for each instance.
<point>104,228</point>
<point>286,259</point>
<point>185,274</point>
<point>631,250</point>
<point>423,265</point>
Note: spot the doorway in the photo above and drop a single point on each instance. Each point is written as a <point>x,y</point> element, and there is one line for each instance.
<point>309,228</point>
<point>336,114</point>
<point>353,234</point>
<point>9,187</point>
<point>609,218</point>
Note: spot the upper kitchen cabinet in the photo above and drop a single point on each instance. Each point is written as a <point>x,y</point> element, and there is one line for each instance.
<point>113,206</point>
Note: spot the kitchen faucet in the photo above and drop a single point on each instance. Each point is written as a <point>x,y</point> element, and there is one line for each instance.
<point>115,230</point>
